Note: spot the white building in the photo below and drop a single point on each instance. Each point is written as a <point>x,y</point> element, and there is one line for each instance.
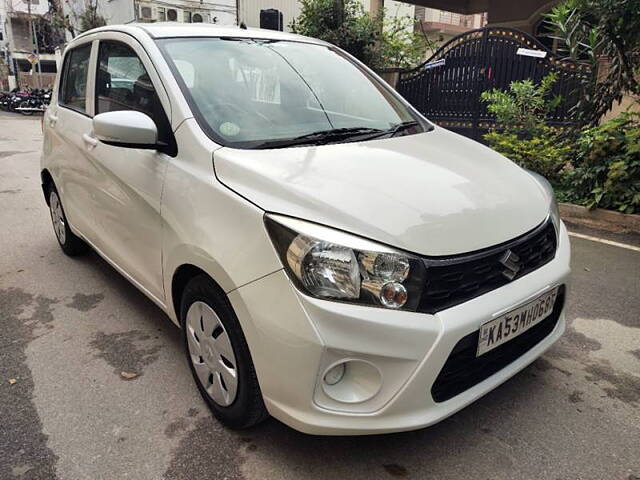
<point>185,11</point>
<point>249,10</point>
<point>17,44</point>
<point>441,26</point>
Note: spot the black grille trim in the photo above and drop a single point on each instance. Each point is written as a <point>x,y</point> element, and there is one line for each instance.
<point>457,279</point>
<point>463,369</point>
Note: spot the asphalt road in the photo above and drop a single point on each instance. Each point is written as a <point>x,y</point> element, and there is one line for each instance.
<point>68,327</point>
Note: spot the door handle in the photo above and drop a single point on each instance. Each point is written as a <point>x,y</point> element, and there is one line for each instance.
<point>89,140</point>
<point>52,119</point>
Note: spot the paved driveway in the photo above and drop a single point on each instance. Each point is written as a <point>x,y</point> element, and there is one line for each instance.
<point>69,327</point>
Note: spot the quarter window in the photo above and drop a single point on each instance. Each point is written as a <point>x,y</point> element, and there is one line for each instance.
<point>74,80</point>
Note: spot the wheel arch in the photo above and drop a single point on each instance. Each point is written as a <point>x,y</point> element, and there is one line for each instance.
<point>46,181</point>
<point>179,280</point>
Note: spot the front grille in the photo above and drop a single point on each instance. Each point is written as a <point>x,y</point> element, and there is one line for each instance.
<point>454,280</point>
<point>463,369</point>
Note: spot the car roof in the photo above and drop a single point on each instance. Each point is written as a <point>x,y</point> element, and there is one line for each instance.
<point>176,29</point>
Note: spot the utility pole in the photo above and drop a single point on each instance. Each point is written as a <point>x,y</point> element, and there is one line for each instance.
<point>34,43</point>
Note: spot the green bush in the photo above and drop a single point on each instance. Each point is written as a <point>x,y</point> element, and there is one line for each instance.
<point>596,167</point>
<point>606,168</point>
<point>522,133</point>
<point>545,153</point>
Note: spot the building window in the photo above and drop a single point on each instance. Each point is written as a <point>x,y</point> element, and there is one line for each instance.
<point>162,14</point>
<point>197,18</point>
<point>172,15</point>
<point>187,17</point>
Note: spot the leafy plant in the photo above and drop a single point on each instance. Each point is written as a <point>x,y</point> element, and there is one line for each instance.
<point>603,35</point>
<point>525,107</point>
<point>545,153</point>
<point>606,171</point>
<point>522,132</point>
<point>401,45</point>
<point>377,42</point>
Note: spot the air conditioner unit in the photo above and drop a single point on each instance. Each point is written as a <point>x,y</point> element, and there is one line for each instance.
<point>153,13</point>
<point>173,14</point>
<point>146,13</point>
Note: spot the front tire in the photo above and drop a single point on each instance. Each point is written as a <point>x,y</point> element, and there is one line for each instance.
<point>219,357</point>
<point>25,104</point>
<point>71,244</point>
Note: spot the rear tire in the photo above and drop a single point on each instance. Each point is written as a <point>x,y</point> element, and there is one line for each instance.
<point>219,357</point>
<point>71,244</point>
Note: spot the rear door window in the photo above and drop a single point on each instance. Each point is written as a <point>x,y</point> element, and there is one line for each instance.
<point>74,79</point>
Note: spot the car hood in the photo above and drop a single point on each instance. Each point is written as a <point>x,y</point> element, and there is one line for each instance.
<point>435,193</point>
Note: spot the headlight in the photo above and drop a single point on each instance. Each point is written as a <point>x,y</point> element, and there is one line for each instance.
<point>332,264</point>
<point>554,212</point>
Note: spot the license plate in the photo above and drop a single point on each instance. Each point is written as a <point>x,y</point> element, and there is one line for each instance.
<point>502,329</point>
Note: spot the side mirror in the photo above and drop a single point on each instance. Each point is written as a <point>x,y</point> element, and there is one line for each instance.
<point>127,128</point>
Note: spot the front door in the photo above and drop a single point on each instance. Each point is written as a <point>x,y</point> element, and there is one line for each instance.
<point>128,182</point>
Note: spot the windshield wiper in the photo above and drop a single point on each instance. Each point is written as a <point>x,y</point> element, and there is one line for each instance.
<point>401,127</point>
<point>321,137</point>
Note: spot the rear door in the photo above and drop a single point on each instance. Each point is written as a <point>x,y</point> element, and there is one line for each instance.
<point>68,123</point>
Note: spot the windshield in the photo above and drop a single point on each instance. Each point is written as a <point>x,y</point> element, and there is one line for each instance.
<point>250,93</point>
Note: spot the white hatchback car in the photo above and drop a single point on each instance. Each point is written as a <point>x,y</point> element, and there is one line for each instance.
<point>333,258</point>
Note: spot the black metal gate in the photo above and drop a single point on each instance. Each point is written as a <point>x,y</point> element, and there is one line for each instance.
<point>447,87</point>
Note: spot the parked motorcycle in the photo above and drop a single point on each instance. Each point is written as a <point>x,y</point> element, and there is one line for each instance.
<point>36,102</point>
<point>12,100</point>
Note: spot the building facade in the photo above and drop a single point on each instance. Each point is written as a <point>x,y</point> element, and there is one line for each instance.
<point>183,11</point>
<point>27,44</point>
<point>441,26</point>
<point>249,10</point>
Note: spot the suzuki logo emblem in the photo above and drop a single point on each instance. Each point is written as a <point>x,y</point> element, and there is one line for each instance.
<point>511,262</point>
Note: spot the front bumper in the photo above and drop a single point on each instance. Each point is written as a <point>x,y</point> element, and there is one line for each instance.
<point>294,339</point>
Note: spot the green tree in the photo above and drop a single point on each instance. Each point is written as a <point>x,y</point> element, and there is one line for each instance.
<point>90,17</point>
<point>378,43</point>
<point>401,45</point>
<point>597,33</point>
<point>87,19</point>
<point>344,24</point>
